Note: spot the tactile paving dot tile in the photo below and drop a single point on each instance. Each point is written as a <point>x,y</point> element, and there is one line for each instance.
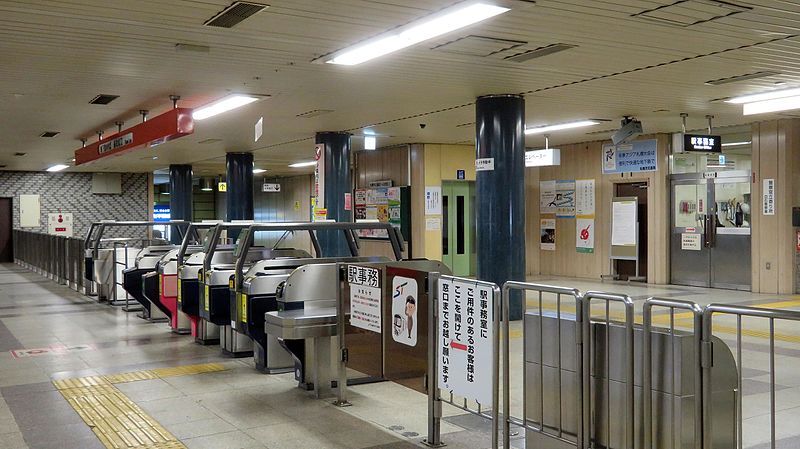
<point>116,420</point>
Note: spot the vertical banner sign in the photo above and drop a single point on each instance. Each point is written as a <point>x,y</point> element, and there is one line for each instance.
<point>769,196</point>
<point>319,175</point>
<point>565,199</point>
<point>548,234</point>
<point>405,299</point>
<point>365,297</point>
<point>547,197</point>
<point>465,348</point>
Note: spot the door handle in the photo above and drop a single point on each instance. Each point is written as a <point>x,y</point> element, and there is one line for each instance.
<point>706,231</point>
<point>713,230</point>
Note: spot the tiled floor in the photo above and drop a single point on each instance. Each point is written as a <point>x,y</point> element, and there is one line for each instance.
<point>240,408</point>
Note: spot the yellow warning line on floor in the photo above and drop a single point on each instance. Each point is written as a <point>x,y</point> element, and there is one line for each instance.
<point>682,319</point>
<point>116,420</point>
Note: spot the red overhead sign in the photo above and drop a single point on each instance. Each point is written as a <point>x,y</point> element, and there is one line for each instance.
<point>168,126</point>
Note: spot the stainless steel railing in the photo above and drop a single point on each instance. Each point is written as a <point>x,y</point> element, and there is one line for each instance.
<point>57,257</point>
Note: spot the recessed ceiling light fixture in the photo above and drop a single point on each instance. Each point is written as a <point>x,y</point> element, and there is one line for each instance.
<point>370,142</point>
<point>736,144</point>
<point>771,95</point>
<point>303,164</point>
<point>437,24</point>
<point>560,126</point>
<point>57,167</point>
<point>223,105</point>
<point>257,171</point>
<point>774,105</point>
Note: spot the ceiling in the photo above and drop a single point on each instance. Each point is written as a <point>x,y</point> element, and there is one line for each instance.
<point>58,54</point>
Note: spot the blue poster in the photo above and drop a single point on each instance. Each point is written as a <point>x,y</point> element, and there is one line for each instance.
<point>635,157</point>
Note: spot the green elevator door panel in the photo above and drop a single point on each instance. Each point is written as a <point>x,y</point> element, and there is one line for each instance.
<point>458,227</point>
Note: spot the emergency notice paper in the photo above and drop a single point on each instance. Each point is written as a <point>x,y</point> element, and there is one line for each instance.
<point>465,339</point>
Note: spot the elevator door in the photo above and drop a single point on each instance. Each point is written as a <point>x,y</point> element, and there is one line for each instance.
<point>458,227</point>
<point>710,238</point>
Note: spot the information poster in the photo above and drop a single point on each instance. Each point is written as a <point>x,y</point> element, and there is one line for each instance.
<point>365,297</point>
<point>405,299</point>
<point>636,157</point>
<point>769,196</point>
<point>380,203</point>
<point>691,242</point>
<point>465,347</point>
<point>547,197</point>
<point>584,197</point>
<point>433,200</point>
<point>623,228</point>
<point>565,199</point>
<point>584,235</point>
<point>548,234</point>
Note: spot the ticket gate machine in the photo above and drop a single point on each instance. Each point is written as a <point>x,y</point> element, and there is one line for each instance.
<point>106,258</point>
<point>133,279</point>
<point>167,269</point>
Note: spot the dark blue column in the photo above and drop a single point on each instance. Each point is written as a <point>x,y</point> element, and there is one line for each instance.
<point>239,198</point>
<point>336,165</point>
<point>500,134</point>
<point>180,196</point>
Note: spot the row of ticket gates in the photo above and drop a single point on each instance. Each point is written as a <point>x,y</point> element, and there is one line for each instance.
<point>267,302</point>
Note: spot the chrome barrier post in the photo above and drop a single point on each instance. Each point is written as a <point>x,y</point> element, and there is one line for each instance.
<point>341,384</point>
<point>647,365</point>
<point>434,438</point>
<point>627,302</point>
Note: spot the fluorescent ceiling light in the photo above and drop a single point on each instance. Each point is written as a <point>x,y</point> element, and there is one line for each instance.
<point>370,142</point>
<point>57,167</point>
<point>303,164</point>
<point>447,20</point>
<point>207,189</point>
<point>736,144</point>
<point>224,105</point>
<point>559,127</point>
<point>764,96</point>
<point>776,105</point>
<point>258,170</point>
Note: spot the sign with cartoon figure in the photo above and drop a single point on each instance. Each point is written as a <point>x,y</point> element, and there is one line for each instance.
<point>404,310</point>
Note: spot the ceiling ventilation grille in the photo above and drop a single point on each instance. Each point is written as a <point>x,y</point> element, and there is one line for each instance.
<point>482,46</point>
<point>103,99</point>
<point>314,113</point>
<point>745,77</point>
<point>49,134</point>
<point>603,131</point>
<point>685,13</point>
<point>207,141</point>
<point>539,52</point>
<point>234,14</point>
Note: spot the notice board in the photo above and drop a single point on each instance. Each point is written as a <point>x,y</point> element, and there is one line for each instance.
<point>624,228</point>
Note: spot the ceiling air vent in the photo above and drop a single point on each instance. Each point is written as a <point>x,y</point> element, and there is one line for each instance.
<point>745,77</point>
<point>49,134</point>
<point>477,45</point>
<point>20,154</point>
<point>685,13</point>
<point>103,99</point>
<point>314,113</point>
<point>234,14</point>
<point>539,52</point>
<point>207,141</point>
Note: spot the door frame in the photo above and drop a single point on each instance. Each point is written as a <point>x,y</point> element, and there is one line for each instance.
<point>11,224</point>
<point>470,227</point>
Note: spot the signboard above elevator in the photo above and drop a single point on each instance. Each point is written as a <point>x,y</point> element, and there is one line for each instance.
<point>170,125</point>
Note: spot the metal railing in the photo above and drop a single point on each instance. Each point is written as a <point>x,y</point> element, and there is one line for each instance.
<point>56,257</point>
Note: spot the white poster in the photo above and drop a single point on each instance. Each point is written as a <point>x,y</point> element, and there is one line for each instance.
<point>465,348</point>
<point>433,224</point>
<point>433,200</point>
<point>484,164</point>
<point>404,310</point>
<point>547,197</point>
<point>565,199</point>
<point>548,234</point>
<point>623,227</point>
<point>584,235</point>
<point>584,198</point>
<point>365,297</point>
<point>691,242</point>
<point>768,192</point>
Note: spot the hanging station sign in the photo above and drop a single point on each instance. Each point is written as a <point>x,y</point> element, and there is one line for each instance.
<point>702,143</point>
<point>168,126</point>
<point>543,158</point>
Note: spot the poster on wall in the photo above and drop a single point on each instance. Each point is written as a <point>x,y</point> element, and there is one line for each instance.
<point>584,198</point>
<point>548,234</point>
<point>769,196</point>
<point>584,235</point>
<point>636,157</point>
<point>404,310</point>
<point>365,297</point>
<point>565,199</point>
<point>433,200</point>
<point>547,197</point>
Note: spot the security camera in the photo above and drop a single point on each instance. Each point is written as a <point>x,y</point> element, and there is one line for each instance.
<point>422,125</point>
<point>629,129</point>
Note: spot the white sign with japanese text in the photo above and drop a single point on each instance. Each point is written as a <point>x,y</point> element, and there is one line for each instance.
<point>365,297</point>
<point>769,196</point>
<point>465,343</point>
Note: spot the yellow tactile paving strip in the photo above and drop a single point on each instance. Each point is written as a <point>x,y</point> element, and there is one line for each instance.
<point>116,420</point>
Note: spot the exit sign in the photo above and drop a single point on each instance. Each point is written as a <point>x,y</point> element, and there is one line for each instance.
<point>222,187</point>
